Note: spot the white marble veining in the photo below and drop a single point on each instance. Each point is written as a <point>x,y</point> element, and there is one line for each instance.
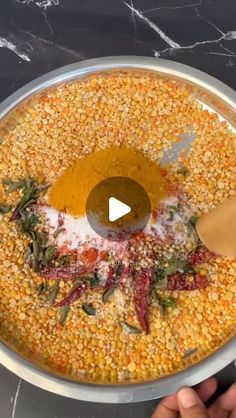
<point>39,39</point>
<point>153,26</point>
<point>16,399</point>
<point>173,45</point>
<point>4,43</point>
<point>43,3</point>
<point>183,6</point>
<point>222,45</point>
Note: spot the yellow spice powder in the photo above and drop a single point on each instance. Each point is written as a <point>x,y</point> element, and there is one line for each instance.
<point>70,192</point>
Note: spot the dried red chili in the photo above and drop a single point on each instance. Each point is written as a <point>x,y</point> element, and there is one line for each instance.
<point>114,275</point>
<point>142,282</point>
<point>110,278</point>
<point>180,281</point>
<point>69,272</point>
<point>127,272</point>
<point>200,255</point>
<point>73,296</point>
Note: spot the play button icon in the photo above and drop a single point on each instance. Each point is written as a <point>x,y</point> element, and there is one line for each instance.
<point>118,208</point>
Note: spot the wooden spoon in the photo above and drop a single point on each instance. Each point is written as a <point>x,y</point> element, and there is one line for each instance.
<point>217,229</point>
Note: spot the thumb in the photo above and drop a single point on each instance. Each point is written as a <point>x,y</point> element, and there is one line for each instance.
<point>190,405</point>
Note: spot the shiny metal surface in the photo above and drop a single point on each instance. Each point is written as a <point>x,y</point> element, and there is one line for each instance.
<point>209,91</point>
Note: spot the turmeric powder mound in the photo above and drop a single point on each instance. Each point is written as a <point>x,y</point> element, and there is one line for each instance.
<point>70,192</point>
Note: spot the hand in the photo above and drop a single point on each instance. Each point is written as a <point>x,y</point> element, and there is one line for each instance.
<point>189,403</point>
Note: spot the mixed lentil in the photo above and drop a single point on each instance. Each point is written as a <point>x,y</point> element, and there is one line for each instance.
<point>102,339</point>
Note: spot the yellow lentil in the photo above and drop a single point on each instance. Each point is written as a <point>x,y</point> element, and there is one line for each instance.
<point>51,133</point>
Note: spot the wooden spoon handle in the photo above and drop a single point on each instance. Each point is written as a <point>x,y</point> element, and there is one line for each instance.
<point>217,229</point>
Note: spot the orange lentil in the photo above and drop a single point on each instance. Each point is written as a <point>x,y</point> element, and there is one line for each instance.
<point>54,130</point>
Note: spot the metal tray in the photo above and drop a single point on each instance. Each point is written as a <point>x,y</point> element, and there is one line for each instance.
<point>213,94</point>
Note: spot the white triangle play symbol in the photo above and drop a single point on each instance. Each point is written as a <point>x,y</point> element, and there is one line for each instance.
<point>117,209</point>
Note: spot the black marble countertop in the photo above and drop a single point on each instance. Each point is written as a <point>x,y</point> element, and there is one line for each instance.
<point>37,36</point>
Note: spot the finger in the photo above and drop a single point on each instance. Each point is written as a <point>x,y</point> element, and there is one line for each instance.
<point>206,389</point>
<point>167,408</point>
<point>190,404</point>
<point>233,414</point>
<point>225,404</point>
<point>170,404</point>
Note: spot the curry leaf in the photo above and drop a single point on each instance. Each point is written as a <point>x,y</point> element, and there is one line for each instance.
<point>57,232</point>
<point>175,209</point>
<point>193,220</point>
<point>30,194</point>
<point>13,185</point>
<point>63,260</point>
<point>160,274</point>
<point>165,303</point>
<point>42,287</point>
<point>28,253</point>
<point>118,269</point>
<point>183,171</point>
<point>107,294</point>
<point>42,237</point>
<point>4,208</point>
<point>190,352</point>
<point>94,281</point>
<point>53,292</point>
<point>36,250</point>
<point>161,284</point>
<point>88,309</point>
<point>28,222</point>
<point>175,264</point>
<point>48,255</point>
<point>63,314</point>
<point>129,329</point>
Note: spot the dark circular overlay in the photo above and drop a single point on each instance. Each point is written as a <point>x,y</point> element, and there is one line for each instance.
<point>128,192</point>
